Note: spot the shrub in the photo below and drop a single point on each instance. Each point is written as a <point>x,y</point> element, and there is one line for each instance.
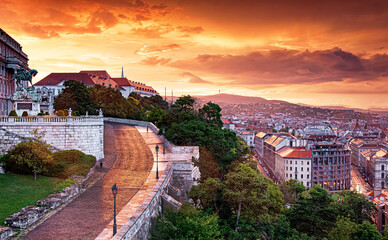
<point>66,112</point>
<point>46,113</point>
<point>25,114</point>
<point>26,156</point>
<point>41,114</point>
<point>60,113</point>
<point>65,184</point>
<point>68,162</point>
<point>13,113</point>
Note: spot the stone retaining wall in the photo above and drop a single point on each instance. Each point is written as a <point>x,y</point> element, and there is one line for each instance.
<point>31,214</point>
<point>137,227</point>
<point>82,133</point>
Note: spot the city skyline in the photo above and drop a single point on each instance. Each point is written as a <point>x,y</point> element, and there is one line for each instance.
<point>317,53</point>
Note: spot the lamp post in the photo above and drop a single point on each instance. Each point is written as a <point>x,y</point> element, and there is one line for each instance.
<point>157,170</point>
<point>114,191</point>
<point>147,122</point>
<point>164,132</point>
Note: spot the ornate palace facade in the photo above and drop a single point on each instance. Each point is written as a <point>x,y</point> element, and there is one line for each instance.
<point>11,58</point>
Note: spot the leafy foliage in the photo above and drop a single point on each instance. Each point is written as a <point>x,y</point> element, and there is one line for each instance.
<point>75,96</point>
<point>313,213</point>
<point>355,207</point>
<point>188,223</point>
<point>64,184</point>
<point>290,190</point>
<point>13,113</point>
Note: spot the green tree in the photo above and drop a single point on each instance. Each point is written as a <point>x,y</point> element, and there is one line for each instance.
<point>188,223</point>
<point>207,165</point>
<point>75,96</point>
<point>366,231</point>
<point>385,233</point>
<point>211,112</point>
<point>251,195</point>
<point>281,230</point>
<point>355,207</point>
<point>313,213</point>
<point>112,103</point>
<point>290,190</point>
<point>205,194</point>
<point>343,229</point>
<point>31,156</point>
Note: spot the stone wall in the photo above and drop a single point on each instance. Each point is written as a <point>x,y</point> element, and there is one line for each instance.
<point>82,133</point>
<point>138,226</point>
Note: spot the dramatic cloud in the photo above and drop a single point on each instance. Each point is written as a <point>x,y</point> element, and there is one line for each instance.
<point>156,61</point>
<point>316,52</point>
<point>194,78</point>
<point>154,49</point>
<point>290,66</point>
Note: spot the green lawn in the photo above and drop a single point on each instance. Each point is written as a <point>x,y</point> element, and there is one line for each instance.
<point>18,191</point>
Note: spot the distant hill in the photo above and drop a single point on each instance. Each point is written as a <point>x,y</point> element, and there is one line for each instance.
<point>234,99</point>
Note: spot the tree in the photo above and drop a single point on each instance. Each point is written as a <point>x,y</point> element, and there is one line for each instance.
<point>385,233</point>
<point>355,207</point>
<point>112,103</point>
<point>251,195</point>
<point>205,194</point>
<point>31,156</point>
<point>282,230</point>
<point>184,104</point>
<point>290,190</point>
<point>207,165</point>
<point>75,96</point>
<point>313,213</point>
<point>343,229</point>
<point>211,112</point>
<point>365,231</point>
<point>188,223</point>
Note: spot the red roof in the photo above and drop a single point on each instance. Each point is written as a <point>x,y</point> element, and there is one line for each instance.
<point>288,152</point>
<point>142,87</point>
<point>122,81</point>
<point>100,73</point>
<point>56,78</point>
<point>226,121</point>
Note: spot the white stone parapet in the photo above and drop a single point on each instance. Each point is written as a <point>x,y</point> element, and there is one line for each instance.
<point>82,133</point>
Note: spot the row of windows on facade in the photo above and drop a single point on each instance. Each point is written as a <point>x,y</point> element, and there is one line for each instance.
<point>296,162</point>
<point>296,169</point>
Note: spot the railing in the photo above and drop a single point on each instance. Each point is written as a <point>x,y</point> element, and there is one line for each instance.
<point>49,119</point>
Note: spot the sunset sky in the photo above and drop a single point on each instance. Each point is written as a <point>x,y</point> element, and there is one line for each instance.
<point>312,52</point>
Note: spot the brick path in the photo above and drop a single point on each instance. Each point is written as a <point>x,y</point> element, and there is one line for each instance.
<point>129,162</point>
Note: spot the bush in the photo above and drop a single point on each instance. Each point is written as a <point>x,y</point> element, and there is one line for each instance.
<point>65,184</point>
<point>25,114</point>
<point>46,113</point>
<point>13,113</point>
<point>68,162</point>
<point>60,113</point>
<point>66,112</point>
<point>41,114</point>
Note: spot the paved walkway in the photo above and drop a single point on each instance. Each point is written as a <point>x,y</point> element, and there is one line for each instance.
<point>128,162</point>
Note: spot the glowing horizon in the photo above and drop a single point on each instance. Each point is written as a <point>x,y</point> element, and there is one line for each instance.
<point>322,53</point>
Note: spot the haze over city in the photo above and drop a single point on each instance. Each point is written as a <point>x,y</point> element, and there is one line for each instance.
<point>318,53</point>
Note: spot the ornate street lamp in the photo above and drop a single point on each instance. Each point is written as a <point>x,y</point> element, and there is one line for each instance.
<point>147,122</point>
<point>157,170</point>
<point>115,189</point>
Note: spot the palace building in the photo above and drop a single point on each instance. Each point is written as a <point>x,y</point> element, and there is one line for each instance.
<point>12,58</point>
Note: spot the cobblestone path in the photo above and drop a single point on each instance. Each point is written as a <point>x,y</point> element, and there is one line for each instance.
<point>128,161</point>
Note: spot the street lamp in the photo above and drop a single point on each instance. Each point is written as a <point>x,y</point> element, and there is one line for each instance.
<point>157,170</point>
<point>115,189</point>
<point>164,132</point>
<point>147,122</point>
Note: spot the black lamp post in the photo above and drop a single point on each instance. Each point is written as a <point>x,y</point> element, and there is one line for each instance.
<point>164,132</point>
<point>115,189</point>
<point>147,122</point>
<point>157,170</point>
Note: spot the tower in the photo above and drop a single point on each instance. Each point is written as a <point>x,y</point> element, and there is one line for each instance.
<point>122,72</point>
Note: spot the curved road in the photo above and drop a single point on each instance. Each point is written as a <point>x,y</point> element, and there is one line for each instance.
<point>128,161</point>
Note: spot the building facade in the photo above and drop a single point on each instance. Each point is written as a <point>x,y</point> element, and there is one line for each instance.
<point>12,58</point>
<point>54,81</point>
<point>331,166</point>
